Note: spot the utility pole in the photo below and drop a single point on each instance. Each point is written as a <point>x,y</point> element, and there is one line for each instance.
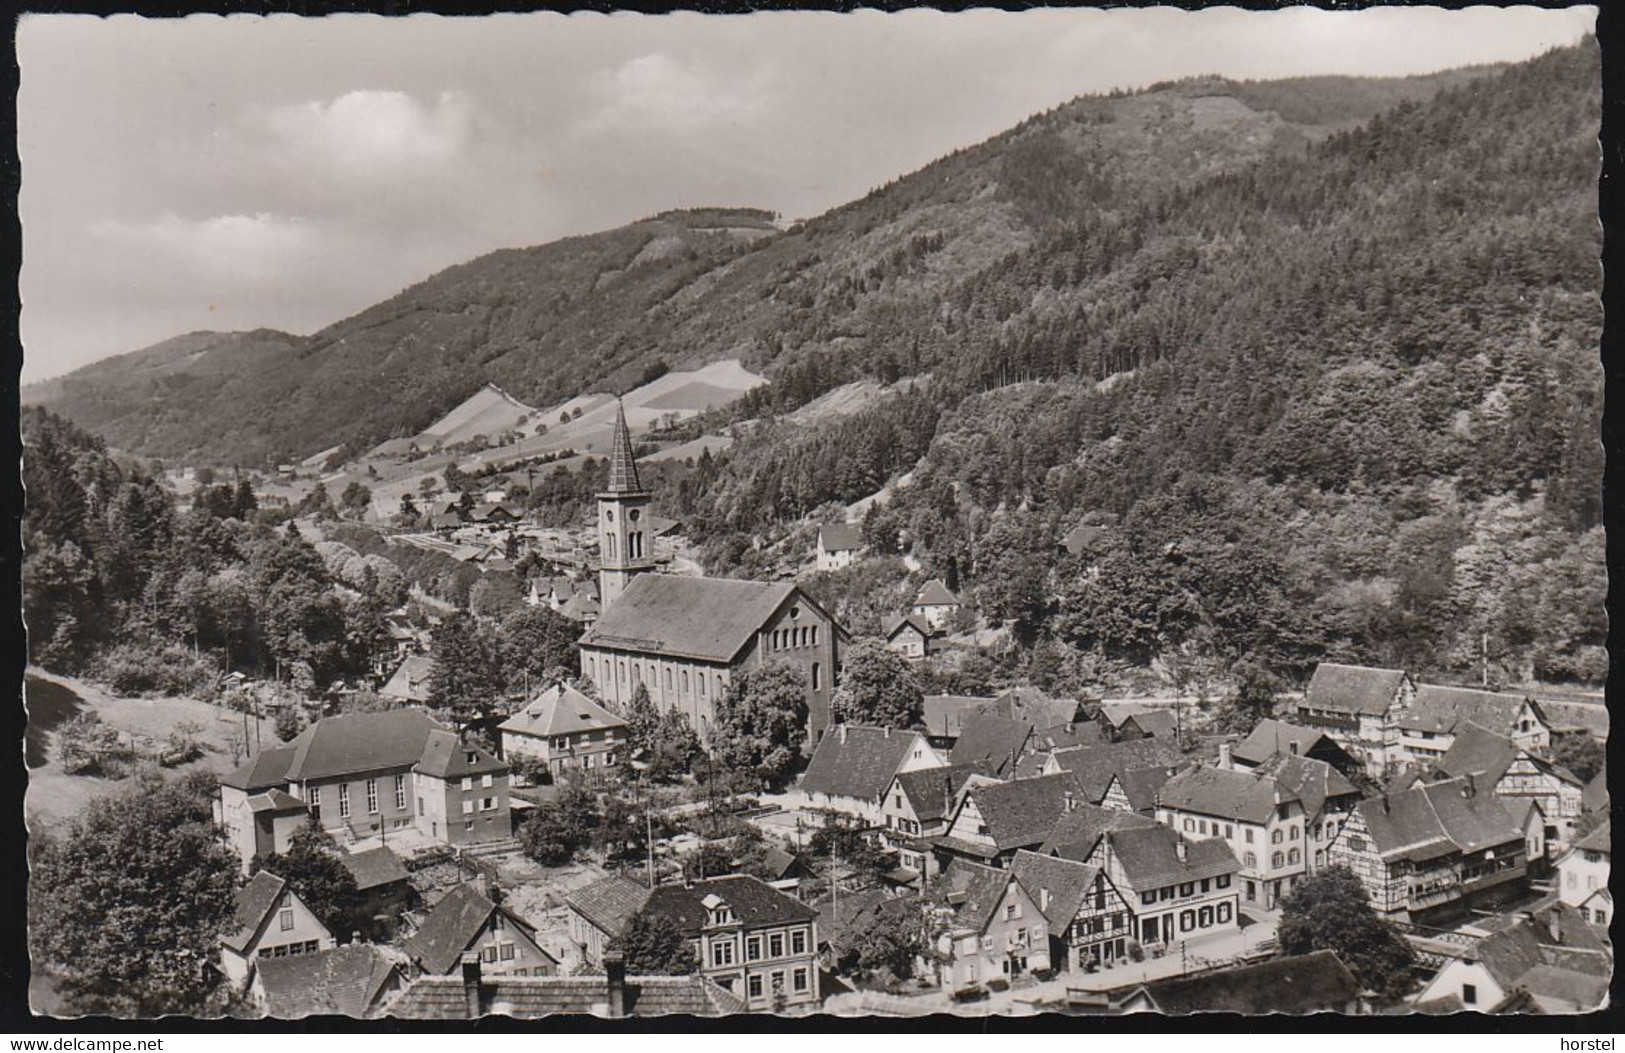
<point>649,844</point>
<point>1484,653</point>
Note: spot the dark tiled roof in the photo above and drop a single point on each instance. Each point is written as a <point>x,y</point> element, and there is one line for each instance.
<point>1353,688</point>
<point>560,710</point>
<point>934,594</point>
<point>445,756</point>
<point>374,868</point>
<point>1478,751</point>
<point>991,740</point>
<point>853,909</point>
<point>1056,885</point>
<point>255,901</point>
<point>1031,706</point>
<point>1438,813</point>
<point>1149,856</point>
<point>360,742</point>
<point>1311,781</point>
<point>1442,708</point>
<point>264,770</point>
<point>1141,785</point>
<point>930,791</point>
<point>1598,840</point>
<point>840,537</point>
<point>754,903</point>
<point>609,903</point>
<point>343,981</point>
<point>451,926</point>
<point>1095,765</point>
<point>410,679</point>
<point>1273,736</point>
<point>1572,990</point>
<point>532,997</point>
<point>896,623</point>
<point>974,891</point>
<point>1068,735</point>
<point>945,713</point>
<point>1307,983</point>
<point>623,466</point>
<point>711,619</point>
<point>1158,722</point>
<point>1076,832</point>
<point>855,761</point>
<point>275,802</point>
<point>1021,814</point>
<point>1228,793</point>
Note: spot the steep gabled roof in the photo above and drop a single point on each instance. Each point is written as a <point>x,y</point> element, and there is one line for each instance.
<point>945,714</point>
<point>1159,723</point>
<point>446,756</point>
<point>991,740</point>
<point>1076,833</point>
<point>1095,766</point>
<point>1306,983</point>
<point>1057,885</point>
<point>1353,689</point>
<point>1439,708</point>
<point>895,624</point>
<point>255,902</point>
<point>856,761</point>
<point>1149,857</point>
<point>1141,785</point>
<point>609,903</point>
<point>1273,736</point>
<point>1478,751</point>
<point>342,981</point>
<point>1068,735</point>
<point>1311,781</point>
<point>1598,840</point>
<point>754,902</point>
<point>452,924</point>
<point>711,619</point>
<point>1021,814</point>
<point>1431,816</point>
<point>930,791</point>
<point>360,742</point>
<point>935,594</point>
<point>1032,706</point>
<point>623,465</point>
<point>974,891</point>
<point>560,710</point>
<point>840,537</point>
<point>263,771</point>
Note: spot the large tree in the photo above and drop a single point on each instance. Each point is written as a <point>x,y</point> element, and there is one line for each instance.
<point>127,908</point>
<point>539,643</point>
<point>465,677</point>
<point>1330,911</point>
<point>312,867</point>
<point>886,939</point>
<point>653,945</point>
<point>761,724</point>
<point>878,688</point>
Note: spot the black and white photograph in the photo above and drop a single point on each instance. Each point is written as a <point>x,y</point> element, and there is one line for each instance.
<point>1066,512</point>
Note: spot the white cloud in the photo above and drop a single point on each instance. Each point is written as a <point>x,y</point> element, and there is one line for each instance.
<point>236,250</point>
<point>658,92</point>
<point>375,134</point>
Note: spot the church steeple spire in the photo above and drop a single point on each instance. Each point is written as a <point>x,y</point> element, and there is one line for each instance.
<point>623,465</point>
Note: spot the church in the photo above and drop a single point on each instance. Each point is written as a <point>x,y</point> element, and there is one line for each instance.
<point>685,639</point>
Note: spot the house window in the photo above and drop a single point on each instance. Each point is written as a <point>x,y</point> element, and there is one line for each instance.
<point>1204,917</point>
<point>285,919</point>
<point>344,800</point>
<point>1190,824</point>
<point>1469,994</point>
<point>488,954</point>
<point>1148,898</point>
<point>798,941</point>
<point>468,807</point>
<point>1222,881</point>
<point>1229,831</point>
<point>485,781</point>
<point>685,681</point>
<point>316,803</point>
<point>1187,920</point>
<point>505,952</point>
<point>1188,888</point>
<point>817,679</point>
<point>722,953</point>
<point>372,796</point>
<point>400,793</point>
<point>1207,884</point>
<point>488,804</point>
<point>1276,862</point>
<point>1275,837</point>
<point>815,636</point>
<point>1249,833</point>
<point>1012,910</point>
<point>1166,893</point>
<point>420,806</point>
<point>798,981</point>
<point>1250,859</point>
<point>753,948</point>
<point>775,945</point>
<point>468,826</point>
<point>754,987</point>
<point>468,782</point>
<point>1292,857</point>
<point>1223,912</point>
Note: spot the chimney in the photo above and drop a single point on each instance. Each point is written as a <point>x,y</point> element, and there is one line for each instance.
<point>1468,788</point>
<point>1385,803</point>
<point>1554,924</point>
<point>615,973</point>
<point>356,937</point>
<point>1224,756</point>
<point>1179,849</point>
<point>471,984</point>
<point>843,734</point>
<point>1071,802</point>
<point>1043,900</point>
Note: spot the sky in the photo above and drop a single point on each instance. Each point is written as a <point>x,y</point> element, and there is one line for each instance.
<point>232,173</point>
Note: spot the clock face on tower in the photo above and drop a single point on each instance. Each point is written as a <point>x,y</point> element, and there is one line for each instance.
<point>633,515</point>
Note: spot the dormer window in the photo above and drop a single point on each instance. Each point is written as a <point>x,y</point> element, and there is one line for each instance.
<point>470,756</point>
<point>720,912</point>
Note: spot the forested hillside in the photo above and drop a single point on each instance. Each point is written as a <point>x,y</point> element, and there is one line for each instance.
<point>887,282</point>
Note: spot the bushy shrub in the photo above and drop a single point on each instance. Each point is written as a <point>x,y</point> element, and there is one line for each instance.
<point>145,669</point>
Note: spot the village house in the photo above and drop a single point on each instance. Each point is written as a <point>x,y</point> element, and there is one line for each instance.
<point>365,774</point>
<point>1317,982</point>
<point>943,716</point>
<point>838,545</point>
<point>1261,819</point>
<point>1582,876</point>
<point>465,921</point>
<point>993,820</point>
<point>685,639</point>
<point>1089,921</point>
<point>995,742</point>
<point>754,941</point>
<point>854,766</point>
<point>472,993</point>
<point>1433,851</point>
<point>917,807</point>
<point>936,605</point>
<point>1359,707</point>
<point>1175,888</point>
<point>1119,774</point>
<point>1430,725</point>
<point>271,922</point>
<point>997,931</point>
<point>383,891</point>
<point>410,681</point>
<point>355,980</point>
<point>566,731</point>
<point>1328,799</point>
<point>1271,736</point>
<point>908,635</point>
<point>1517,776</point>
<point>600,911</point>
<point>1546,961</point>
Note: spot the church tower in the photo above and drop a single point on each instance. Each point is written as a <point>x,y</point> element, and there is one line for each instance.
<point>624,549</point>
